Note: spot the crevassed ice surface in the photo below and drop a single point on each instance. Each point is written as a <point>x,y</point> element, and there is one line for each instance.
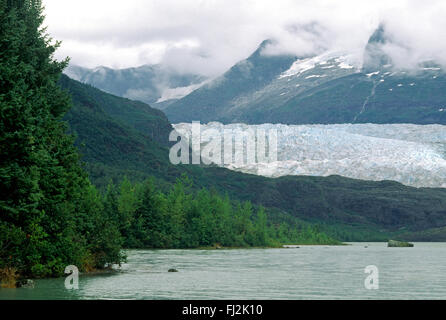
<point>414,155</point>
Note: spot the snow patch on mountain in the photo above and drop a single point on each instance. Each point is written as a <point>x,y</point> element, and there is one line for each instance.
<point>299,67</point>
<point>326,60</point>
<point>178,93</point>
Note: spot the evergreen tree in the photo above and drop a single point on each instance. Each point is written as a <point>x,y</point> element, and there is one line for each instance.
<point>152,212</point>
<point>261,228</point>
<point>41,182</point>
<point>128,202</point>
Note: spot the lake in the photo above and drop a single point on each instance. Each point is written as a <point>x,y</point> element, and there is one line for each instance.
<point>307,272</point>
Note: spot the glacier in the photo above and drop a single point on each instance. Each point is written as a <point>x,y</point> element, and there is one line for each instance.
<point>414,155</point>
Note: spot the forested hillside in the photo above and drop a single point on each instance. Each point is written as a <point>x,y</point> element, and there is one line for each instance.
<point>112,149</point>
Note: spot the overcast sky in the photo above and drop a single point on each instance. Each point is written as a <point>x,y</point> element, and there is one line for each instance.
<point>209,36</point>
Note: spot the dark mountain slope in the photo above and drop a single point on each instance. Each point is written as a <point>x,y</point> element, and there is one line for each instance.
<point>137,115</point>
<point>110,145</point>
<point>211,101</point>
<point>358,98</point>
<point>324,89</point>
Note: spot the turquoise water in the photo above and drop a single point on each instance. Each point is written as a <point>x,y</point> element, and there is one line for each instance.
<point>308,272</point>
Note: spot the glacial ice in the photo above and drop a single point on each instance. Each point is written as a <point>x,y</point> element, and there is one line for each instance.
<point>414,155</point>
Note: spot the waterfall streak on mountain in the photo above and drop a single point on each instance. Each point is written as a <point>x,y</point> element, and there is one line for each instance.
<point>372,94</point>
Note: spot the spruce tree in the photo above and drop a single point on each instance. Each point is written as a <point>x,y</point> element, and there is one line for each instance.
<point>42,185</point>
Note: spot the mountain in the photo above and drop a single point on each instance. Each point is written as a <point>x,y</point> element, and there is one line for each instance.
<point>324,89</point>
<point>112,146</point>
<point>116,136</point>
<point>375,58</point>
<point>152,84</point>
<point>221,97</point>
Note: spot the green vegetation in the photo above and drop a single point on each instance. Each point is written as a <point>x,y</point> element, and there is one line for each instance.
<point>112,146</point>
<point>50,216</point>
<point>434,234</point>
<point>183,217</point>
<point>152,123</point>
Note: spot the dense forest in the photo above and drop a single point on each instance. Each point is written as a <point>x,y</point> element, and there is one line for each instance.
<point>185,218</point>
<point>52,216</point>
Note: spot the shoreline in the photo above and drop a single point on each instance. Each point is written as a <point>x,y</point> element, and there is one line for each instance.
<point>113,270</point>
<point>284,246</point>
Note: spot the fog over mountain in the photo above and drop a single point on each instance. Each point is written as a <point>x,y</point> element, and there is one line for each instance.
<point>331,87</point>
<point>153,84</point>
<point>208,37</point>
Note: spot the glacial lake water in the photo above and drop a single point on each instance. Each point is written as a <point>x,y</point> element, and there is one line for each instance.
<point>308,272</point>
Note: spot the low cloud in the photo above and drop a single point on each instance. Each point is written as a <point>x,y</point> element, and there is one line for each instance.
<point>209,36</point>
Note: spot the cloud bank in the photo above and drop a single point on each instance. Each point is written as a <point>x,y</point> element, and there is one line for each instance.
<point>209,36</point>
